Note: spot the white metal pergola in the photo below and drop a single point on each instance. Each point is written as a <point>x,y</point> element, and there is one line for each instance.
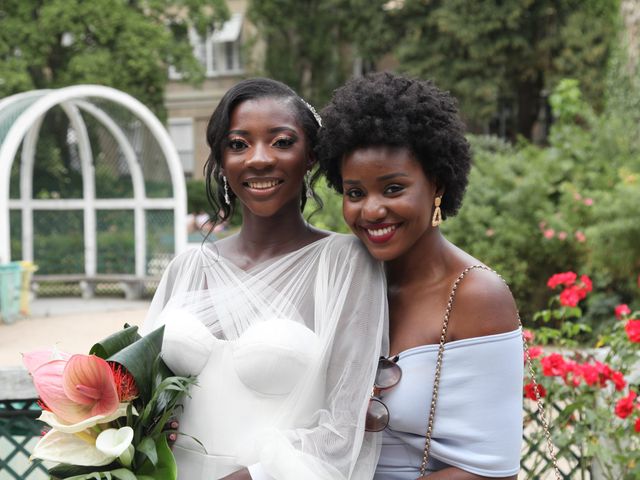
<point>21,118</point>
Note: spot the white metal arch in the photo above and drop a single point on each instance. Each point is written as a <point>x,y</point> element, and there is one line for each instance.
<point>71,99</point>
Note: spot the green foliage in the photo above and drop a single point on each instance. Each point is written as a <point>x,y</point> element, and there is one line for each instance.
<point>126,45</point>
<point>531,212</point>
<point>329,216</point>
<point>197,197</point>
<point>311,46</point>
<point>497,56</point>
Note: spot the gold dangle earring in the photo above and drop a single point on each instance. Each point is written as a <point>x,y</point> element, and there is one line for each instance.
<point>437,213</point>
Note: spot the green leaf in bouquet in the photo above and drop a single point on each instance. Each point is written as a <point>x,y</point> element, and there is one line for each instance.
<point>115,342</point>
<point>138,357</point>
<point>166,468</point>
<point>148,447</point>
<point>163,402</point>
<point>65,471</point>
<point>117,474</point>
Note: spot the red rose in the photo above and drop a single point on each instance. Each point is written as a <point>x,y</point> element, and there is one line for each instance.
<point>587,285</point>
<point>637,425</point>
<point>621,310</point>
<point>528,335</point>
<point>570,296</point>
<point>567,279</point>
<point>604,372</point>
<point>553,365</point>
<point>633,330</point>
<point>618,380</point>
<point>535,352</point>
<point>572,373</point>
<point>590,374</point>
<point>624,406</point>
<point>530,391</point>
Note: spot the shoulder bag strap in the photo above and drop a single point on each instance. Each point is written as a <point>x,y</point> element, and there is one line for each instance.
<point>436,381</point>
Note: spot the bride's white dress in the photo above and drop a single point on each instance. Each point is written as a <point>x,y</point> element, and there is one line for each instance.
<point>285,355</point>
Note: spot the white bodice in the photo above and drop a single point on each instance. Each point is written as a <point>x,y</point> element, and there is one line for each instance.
<point>285,356</point>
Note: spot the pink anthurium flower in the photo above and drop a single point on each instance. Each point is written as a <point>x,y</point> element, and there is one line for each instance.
<point>88,380</point>
<point>74,388</point>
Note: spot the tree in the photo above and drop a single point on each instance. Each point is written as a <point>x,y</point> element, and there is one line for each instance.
<point>124,44</point>
<point>311,45</point>
<point>499,58</point>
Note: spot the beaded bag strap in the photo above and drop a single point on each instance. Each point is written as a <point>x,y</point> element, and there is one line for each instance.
<point>436,381</point>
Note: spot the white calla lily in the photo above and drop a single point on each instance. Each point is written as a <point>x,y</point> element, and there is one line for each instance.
<point>74,448</point>
<point>114,441</point>
<point>54,422</point>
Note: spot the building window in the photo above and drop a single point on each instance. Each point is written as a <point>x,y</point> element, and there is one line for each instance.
<point>181,132</point>
<point>219,52</point>
<point>223,48</point>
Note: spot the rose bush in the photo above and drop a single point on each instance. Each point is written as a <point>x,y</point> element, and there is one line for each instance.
<point>593,390</point>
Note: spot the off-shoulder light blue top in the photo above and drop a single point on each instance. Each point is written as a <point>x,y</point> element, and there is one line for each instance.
<point>478,419</point>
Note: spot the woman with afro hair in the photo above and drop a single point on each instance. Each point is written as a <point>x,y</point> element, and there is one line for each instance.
<point>449,398</point>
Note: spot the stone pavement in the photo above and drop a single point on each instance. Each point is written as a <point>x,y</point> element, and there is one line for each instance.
<point>70,324</point>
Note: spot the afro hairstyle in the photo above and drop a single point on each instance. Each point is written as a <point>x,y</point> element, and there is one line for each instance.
<point>390,109</point>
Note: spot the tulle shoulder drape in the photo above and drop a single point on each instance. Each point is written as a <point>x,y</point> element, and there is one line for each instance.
<point>324,306</point>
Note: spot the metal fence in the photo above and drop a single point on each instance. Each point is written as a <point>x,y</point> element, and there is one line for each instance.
<point>19,431</point>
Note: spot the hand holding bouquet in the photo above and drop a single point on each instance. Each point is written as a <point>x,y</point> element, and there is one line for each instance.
<point>107,410</point>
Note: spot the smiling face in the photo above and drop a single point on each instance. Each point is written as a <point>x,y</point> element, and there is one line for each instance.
<point>388,200</point>
<point>265,155</point>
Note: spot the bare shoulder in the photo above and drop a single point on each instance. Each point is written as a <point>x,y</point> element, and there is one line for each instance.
<point>483,306</point>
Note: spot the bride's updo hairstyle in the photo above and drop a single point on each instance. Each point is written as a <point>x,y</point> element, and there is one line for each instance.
<point>392,110</point>
<point>250,89</point>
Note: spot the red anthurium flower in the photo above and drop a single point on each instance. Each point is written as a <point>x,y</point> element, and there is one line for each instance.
<point>633,330</point>
<point>88,380</point>
<point>637,425</point>
<point>74,387</point>
<point>622,310</point>
<point>624,406</point>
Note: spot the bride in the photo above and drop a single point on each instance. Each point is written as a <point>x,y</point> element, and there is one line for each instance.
<point>282,323</point>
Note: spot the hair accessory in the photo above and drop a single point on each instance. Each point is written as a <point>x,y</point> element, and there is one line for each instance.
<point>313,111</point>
<point>227,200</point>
<point>437,213</point>
<point>307,184</point>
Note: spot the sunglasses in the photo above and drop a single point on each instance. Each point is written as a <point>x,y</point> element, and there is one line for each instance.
<point>388,375</point>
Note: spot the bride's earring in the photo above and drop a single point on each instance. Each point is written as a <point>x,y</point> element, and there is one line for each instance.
<point>437,213</point>
<point>307,184</point>
<point>226,190</point>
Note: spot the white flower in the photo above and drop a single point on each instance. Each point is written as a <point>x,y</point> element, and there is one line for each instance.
<point>74,448</point>
<point>54,422</point>
<point>116,443</point>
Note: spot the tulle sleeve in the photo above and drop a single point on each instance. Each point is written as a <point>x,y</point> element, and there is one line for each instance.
<point>177,277</point>
<point>350,318</point>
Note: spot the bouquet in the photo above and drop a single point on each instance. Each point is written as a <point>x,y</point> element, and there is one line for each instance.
<point>108,410</point>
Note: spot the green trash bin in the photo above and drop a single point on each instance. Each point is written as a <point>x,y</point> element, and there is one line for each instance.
<point>10,286</point>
